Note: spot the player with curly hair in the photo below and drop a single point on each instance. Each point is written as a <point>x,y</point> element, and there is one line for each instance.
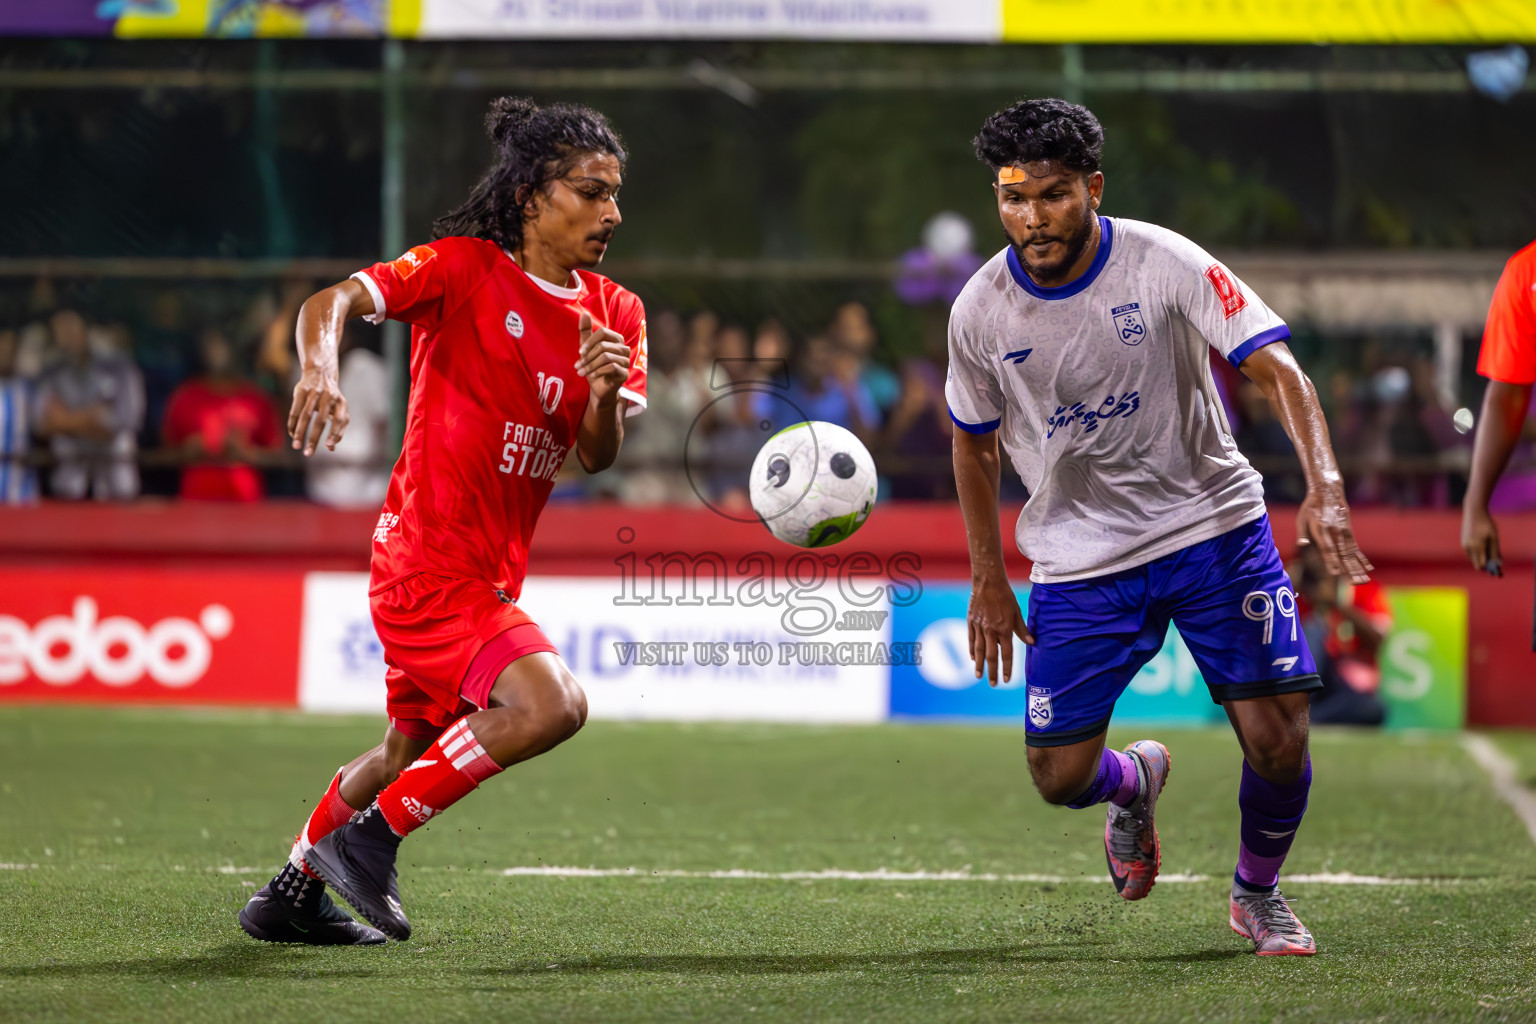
<point>1083,348</point>
<point>519,356</point>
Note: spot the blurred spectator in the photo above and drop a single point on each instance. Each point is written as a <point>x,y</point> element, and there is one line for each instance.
<point>1262,437</point>
<point>736,433</point>
<point>90,407</point>
<point>356,474</point>
<point>825,387</point>
<point>694,374</point>
<point>770,350</point>
<point>164,351</point>
<point>936,271</point>
<point>854,332</point>
<point>18,481</point>
<point>650,466</point>
<point>35,349</point>
<point>1345,625</point>
<point>918,436</point>
<point>273,321</point>
<point>222,423</point>
<point>1396,443</point>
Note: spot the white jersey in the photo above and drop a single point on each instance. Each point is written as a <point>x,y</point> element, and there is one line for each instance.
<point>1103,394</point>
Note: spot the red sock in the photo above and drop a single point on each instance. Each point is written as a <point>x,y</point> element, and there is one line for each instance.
<point>445,774</point>
<point>330,814</point>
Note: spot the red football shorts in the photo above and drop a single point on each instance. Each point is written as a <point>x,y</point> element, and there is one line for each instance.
<point>446,639</point>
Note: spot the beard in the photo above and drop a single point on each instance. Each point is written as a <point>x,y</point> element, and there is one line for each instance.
<point>1049,272</point>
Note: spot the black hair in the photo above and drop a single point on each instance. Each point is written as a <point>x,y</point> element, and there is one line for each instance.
<point>1043,129</point>
<point>534,145</point>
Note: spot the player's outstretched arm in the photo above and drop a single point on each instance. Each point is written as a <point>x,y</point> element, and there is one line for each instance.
<point>1324,516</point>
<point>604,361</point>
<point>1498,430</point>
<point>994,618</point>
<point>317,397</point>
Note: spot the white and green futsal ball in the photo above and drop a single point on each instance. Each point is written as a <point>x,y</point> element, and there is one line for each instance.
<point>813,484</point>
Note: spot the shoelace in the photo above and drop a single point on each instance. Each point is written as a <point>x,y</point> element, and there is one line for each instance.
<point>1124,832</point>
<point>1273,912</point>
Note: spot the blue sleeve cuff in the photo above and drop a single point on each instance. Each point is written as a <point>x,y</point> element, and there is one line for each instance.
<point>973,428</point>
<point>1257,342</point>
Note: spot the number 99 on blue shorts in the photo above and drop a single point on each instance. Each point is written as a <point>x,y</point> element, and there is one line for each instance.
<point>1230,598</point>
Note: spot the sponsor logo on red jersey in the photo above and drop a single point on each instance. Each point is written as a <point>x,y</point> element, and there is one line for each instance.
<point>387,521</point>
<point>413,261</point>
<point>1227,291</point>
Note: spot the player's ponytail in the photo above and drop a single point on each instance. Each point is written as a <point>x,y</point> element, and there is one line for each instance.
<point>534,145</point>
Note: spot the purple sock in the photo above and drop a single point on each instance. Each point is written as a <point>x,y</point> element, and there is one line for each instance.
<point>1271,813</point>
<point>1117,780</point>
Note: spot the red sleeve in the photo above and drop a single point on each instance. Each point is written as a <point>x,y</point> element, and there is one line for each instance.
<point>266,433</point>
<point>630,322</point>
<point>181,420</point>
<point>414,288</point>
<point>1371,598</point>
<point>1509,337</point>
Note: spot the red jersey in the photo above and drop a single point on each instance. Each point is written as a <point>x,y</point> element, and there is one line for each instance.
<point>1509,337</point>
<point>495,404</point>
<point>239,411</point>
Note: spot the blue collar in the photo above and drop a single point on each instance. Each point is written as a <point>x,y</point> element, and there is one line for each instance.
<point>1066,291</point>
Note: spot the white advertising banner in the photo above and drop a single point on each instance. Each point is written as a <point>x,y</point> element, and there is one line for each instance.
<point>808,656</point>
<point>341,662</point>
<point>914,20</point>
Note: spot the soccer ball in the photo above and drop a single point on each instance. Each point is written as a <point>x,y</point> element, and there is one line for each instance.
<point>813,484</point>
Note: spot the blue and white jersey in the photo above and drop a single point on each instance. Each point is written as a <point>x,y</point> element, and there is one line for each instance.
<point>1102,392</point>
<point>18,481</point>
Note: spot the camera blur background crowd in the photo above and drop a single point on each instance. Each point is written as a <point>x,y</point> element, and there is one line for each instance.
<point>804,249</point>
<point>166,399</point>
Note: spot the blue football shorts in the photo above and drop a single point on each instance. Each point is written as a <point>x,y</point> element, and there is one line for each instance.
<point>1230,598</point>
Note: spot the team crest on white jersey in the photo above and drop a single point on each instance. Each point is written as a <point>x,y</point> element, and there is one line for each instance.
<point>514,324</point>
<point>1128,323</point>
<point>1040,713</point>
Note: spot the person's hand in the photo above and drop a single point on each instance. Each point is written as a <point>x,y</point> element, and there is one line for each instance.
<point>317,400</point>
<point>1324,520</point>
<point>604,360</point>
<point>1480,540</point>
<point>992,622</point>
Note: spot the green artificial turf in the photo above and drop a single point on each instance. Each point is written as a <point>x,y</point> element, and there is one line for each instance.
<point>129,817</point>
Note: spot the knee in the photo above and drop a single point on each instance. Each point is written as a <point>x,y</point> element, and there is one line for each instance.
<point>1057,783</point>
<point>392,764</point>
<point>1058,792</point>
<point>1277,754</point>
<point>560,711</point>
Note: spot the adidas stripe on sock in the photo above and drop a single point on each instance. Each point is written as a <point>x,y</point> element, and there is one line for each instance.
<point>449,769</point>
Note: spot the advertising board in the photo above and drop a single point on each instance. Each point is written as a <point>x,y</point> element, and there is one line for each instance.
<point>1423,667</point>
<point>144,636</point>
<point>979,21</point>
<point>844,649</point>
<point>821,660</point>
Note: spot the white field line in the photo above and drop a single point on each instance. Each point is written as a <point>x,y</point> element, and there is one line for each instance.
<point>1501,772</point>
<point>886,875</point>
<point>878,875</point>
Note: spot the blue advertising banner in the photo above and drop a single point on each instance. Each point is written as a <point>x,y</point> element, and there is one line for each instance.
<point>1168,689</point>
<point>1423,666</point>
